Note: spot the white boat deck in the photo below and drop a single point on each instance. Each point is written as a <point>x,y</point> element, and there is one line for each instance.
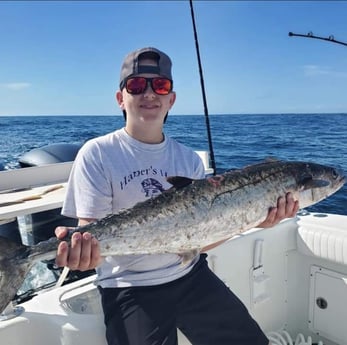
<point>35,181</point>
<point>285,283</point>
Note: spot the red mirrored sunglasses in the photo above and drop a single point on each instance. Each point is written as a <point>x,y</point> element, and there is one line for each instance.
<point>138,85</point>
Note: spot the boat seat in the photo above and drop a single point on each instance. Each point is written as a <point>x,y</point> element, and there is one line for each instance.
<point>316,238</point>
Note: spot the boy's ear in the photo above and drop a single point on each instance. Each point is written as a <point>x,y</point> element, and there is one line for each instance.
<point>119,99</point>
<point>172,99</point>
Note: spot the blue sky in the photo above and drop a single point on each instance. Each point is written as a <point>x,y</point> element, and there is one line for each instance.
<point>63,57</point>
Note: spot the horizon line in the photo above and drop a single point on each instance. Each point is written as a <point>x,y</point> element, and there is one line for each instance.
<point>217,114</point>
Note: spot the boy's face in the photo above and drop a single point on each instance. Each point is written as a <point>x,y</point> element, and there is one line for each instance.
<point>147,106</point>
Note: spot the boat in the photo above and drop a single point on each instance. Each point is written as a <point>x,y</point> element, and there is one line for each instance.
<point>292,277</point>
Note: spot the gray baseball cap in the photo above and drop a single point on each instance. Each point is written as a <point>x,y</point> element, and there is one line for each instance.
<point>131,63</point>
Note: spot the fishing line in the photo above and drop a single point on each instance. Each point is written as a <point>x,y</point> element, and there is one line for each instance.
<point>208,128</point>
<point>310,35</point>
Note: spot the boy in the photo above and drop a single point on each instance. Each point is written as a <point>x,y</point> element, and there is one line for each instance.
<point>146,297</point>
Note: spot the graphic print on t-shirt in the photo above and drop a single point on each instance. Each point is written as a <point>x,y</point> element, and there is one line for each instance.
<point>151,187</point>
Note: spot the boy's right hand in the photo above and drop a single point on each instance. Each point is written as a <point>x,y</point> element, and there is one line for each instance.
<point>82,254</point>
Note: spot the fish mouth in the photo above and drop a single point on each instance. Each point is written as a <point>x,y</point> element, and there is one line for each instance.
<point>341,174</point>
<point>338,183</point>
<point>343,180</point>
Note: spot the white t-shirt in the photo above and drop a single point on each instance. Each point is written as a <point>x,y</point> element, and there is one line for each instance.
<point>116,171</point>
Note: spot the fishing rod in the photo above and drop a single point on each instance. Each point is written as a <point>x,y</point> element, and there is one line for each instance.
<point>213,162</point>
<point>310,35</point>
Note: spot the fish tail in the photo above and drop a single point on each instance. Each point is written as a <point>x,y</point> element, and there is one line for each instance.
<point>14,266</point>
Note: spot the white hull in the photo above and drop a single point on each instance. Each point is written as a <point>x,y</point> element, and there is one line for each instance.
<point>291,277</point>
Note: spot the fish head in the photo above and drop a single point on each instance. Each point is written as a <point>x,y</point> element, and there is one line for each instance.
<point>316,182</point>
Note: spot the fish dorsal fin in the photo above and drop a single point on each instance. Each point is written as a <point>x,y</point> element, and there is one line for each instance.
<point>266,161</point>
<point>179,182</point>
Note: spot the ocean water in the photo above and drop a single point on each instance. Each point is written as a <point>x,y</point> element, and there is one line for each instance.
<point>238,140</point>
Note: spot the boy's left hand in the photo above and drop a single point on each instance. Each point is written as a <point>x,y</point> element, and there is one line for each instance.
<point>287,207</point>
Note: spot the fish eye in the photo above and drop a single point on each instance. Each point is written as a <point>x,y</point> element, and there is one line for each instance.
<point>334,174</point>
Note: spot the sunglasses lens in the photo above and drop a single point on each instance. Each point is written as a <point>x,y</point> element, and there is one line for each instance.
<point>136,85</point>
<point>161,86</point>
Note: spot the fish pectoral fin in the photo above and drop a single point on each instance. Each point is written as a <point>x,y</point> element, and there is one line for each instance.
<point>310,183</point>
<point>179,182</point>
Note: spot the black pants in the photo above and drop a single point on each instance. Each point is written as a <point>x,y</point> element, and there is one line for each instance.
<point>199,304</point>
